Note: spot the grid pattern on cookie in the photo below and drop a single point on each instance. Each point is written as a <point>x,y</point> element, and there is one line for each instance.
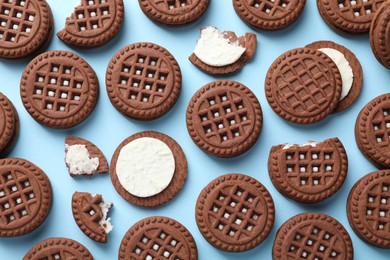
<point>17,197</point>
<point>173,4</point>
<point>91,208</point>
<point>304,85</point>
<point>225,117</point>
<point>378,207</point>
<point>359,7</point>
<point>310,166</point>
<point>316,243</point>
<point>158,243</point>
<point>16,20</point>
<point>58,87</point>
<point>144,79</point>
<point>235,213</point>
<point>58,255</point>
<point>90,15</point>
<point>381,127</point>
<point>270,7</point>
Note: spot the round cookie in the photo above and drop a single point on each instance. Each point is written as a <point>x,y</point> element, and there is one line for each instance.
<point>235,213</point>
<point>158,238</point>
<point>25,197</point>
<point>58,248</point>
<point>93,23</point>
<point>174,13</point>
<point>368,208</point>
<point>372,131</point>
<point>26,26</point>
<point>9,125</point>
<point>143,81</point>
<point>312,236</point>
<point>350,92</point>
<point>269,15</point>
<point>59,89</point>
<point>148,169</point>
<point>380,35</point>
<point>303,86</point>
<point>349,17</point>
<point>224,118</point>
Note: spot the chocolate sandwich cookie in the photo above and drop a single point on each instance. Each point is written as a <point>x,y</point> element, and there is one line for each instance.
<point>148,169</point>
<point>350,69</point>
<point>235,213</point>
<point>224,118</point>
<point>25,197</point>
<point>269,15</point>
<point>312,236</point>
<point>90,214</point>
<point>349,17</point>
<point>93,23</point>
<point>83,157</point>
<point>380,34</point>
<point>26,26</point>
<point>308,173</point>
<point>303,86</point>
<point>368,208</point>
<point>59,89</point>
<point>372,131</point>
<point>9,125</point>
<point>174,13</point>
<point>221,53</point>
<point>58,248</point>
<point>143,81</point>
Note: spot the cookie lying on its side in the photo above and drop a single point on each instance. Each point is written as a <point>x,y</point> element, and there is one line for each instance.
<point>380,35</point>
<point>9,125</point>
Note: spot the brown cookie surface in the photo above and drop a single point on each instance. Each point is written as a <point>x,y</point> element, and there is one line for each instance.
<point>380,35</point>
<point>59,89</point>
<point>25,197</point>
<point>143,81</point>
<point>372,131</point>
<point>9,125</point>
<point>269,15</point>
<point>58,248</point>
<point>25,27</point>
<point>93,23</point>
<point>308,173</point>
<point>368,208</point>
<point>312,236</point>
<point>235,213</point>
<point>303,86</point>
<point>224,118</point>
<point>176,183</point>
<point>174,13</point>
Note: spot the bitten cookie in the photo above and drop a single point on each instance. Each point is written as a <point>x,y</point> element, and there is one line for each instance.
<point>148,169</point>
<point>372,131</point>
<point>269,15</point>
<point>9,125</point>
<point>59,89</point>
<point>380,35</point>
<point>235,213</point>
<point>310,172</point>
<point>93,23</point>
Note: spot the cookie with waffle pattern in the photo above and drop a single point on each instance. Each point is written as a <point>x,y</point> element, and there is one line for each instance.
<point>9,125</point>
<point>380,35</point>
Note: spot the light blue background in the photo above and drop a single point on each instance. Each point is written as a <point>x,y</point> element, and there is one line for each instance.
<point>107,128</point>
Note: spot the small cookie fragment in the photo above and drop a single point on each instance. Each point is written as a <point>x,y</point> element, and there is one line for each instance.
<point>372,131</point>
<point>380,35</point>
<point>25,197</point>
<point>310,172</point>
<point>148,169</point>
<point>90,214</point>
<point>93,23</point>
<point>221,53</point>
<point>58,248</point>
<point>224,118</point>
<point>143,81</point>
<point>235,212</point>
<point>174,13</point>
<point>368,208</point>
<point>9,125</point>
<point>59,89</point>
<point>269,15</point>
<point>158,238</point>
<point>83,157</point>
<point>312,236</point>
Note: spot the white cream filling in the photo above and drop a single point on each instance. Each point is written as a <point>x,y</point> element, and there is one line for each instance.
<point>215,50</point>
<point>78,161</point>
<point>105,222</point>
<point>145,167</point>
<point>344,68</point>
<point>308,143</point>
